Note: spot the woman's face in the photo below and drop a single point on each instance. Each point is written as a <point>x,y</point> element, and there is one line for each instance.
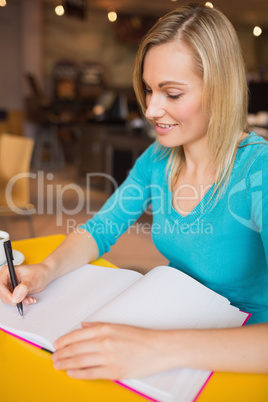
<point>173,95</point>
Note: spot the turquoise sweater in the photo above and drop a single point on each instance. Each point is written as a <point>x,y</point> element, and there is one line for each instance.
<point>224,245</point>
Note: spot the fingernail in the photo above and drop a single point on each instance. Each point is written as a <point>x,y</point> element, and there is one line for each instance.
<point>32,300</point>
<point>56,365</point>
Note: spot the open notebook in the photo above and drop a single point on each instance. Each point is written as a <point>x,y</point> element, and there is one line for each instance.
<point>164,298</point>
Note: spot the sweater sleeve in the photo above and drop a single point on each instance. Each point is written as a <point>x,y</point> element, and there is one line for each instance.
<point>125,205</point>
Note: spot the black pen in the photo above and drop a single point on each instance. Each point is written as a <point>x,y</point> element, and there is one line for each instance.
<point>9,257</point>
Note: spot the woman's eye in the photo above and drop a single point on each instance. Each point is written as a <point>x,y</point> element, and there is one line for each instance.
<point>177,96</point>
<point>147,90</point>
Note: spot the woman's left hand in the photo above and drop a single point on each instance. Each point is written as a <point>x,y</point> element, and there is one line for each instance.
<point>111,351</point>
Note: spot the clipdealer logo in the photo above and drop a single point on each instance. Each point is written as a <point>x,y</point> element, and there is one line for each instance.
<point>50,196</point>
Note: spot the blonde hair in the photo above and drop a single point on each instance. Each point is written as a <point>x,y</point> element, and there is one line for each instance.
<point>218,58</point>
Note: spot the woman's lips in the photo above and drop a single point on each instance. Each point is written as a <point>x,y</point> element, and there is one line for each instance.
<point>164,128</point>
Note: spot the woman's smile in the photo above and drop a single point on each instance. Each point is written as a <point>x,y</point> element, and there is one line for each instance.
<point>162,129</point>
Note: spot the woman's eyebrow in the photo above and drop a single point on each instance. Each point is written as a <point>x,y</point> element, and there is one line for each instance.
<point>170,83</point>
<point>162,84</point>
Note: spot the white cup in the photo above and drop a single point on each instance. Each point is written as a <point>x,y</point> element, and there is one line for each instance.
<point>4,236</point>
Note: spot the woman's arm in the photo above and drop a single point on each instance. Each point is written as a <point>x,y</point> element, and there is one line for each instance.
<point>76,250</point>
<point>114,351</point>
<point>242,349</point>
<point>122,209</point>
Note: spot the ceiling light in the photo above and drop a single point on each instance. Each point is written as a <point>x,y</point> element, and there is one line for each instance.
<point>3,3</point>
<point>112,16</point>
<point>208,4</point>
<point>257,31</point>
<point>59,10</point>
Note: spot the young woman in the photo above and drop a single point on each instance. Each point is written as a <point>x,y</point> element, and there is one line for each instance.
<point>207,180</point>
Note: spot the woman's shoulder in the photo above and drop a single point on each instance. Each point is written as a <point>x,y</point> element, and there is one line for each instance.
<point>152,161</point>
<point>155,153</point>
<point>254,141</point>
<point>252,150</point>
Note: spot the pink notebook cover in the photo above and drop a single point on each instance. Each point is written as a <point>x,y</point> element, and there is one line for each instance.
<point>120,383</point>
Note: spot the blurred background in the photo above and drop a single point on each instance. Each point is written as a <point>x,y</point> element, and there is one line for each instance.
<point>66,86</point>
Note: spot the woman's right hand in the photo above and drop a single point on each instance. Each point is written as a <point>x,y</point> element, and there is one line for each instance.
<point>77,249</point>
<point>31,278</point>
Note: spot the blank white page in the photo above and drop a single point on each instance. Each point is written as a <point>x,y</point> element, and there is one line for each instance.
<point>168,299</point>
<point>66,302</point>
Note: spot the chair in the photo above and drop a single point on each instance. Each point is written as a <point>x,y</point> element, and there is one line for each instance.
<point>61,128</point>
<point>47,152</point>
<point>15,159</point>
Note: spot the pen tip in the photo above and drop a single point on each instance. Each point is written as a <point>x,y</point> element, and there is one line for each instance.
<point>20,310</point>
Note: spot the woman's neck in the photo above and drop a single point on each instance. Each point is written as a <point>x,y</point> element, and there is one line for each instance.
<point>197,157</point>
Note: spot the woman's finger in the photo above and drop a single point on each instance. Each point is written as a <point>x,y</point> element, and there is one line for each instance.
<point>29,300</point>
<point>77,349</point>
<point>79,361</point>
<point>78,335</point>
<point>6,295</point>
<point>93,373</point>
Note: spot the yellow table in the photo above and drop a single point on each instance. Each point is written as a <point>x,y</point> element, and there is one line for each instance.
<point>27,374</point>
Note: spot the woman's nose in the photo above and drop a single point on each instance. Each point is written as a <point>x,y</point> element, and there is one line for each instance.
<point>155,108</point>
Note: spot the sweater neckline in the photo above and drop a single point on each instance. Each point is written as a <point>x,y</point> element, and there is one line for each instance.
<point>196,213</point>
<point>205,203</point>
